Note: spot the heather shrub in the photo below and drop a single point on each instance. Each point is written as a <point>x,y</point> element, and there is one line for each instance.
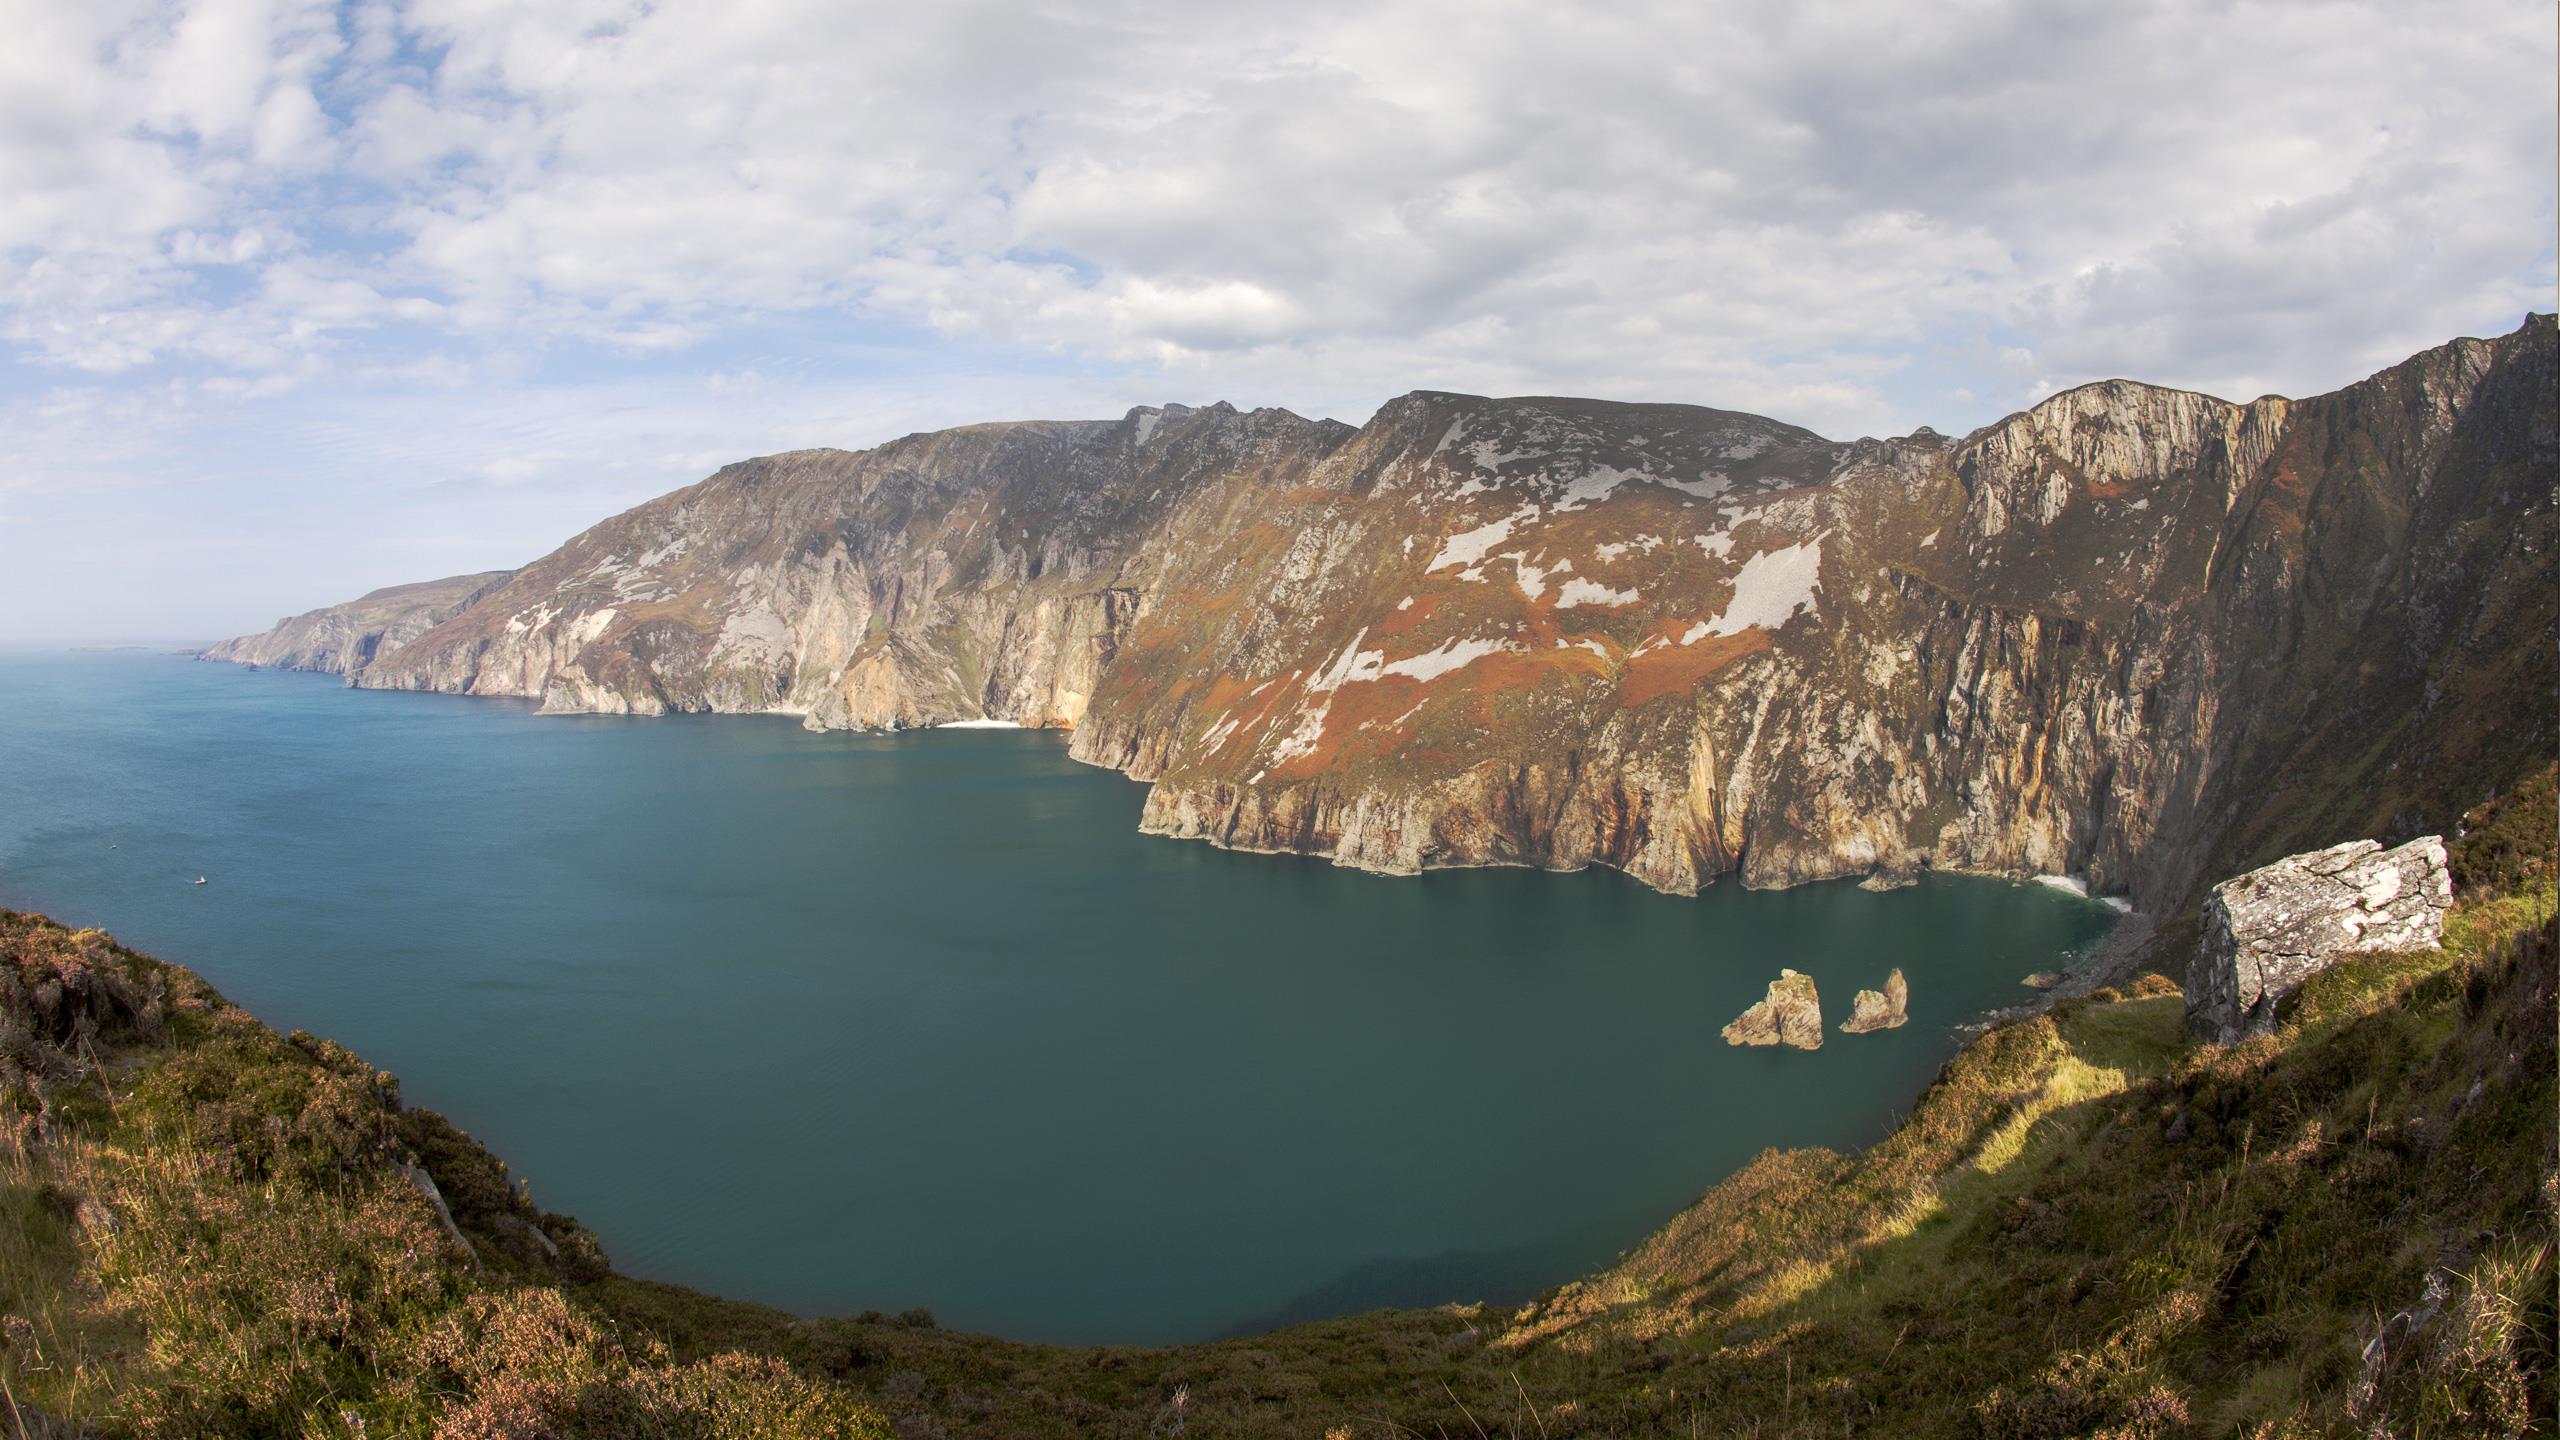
<point>2086,1226</point>
<point>2508,843</point>
<point>227,1240</point>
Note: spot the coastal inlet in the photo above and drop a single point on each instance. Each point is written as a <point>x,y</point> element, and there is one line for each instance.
<point>842,1021</point>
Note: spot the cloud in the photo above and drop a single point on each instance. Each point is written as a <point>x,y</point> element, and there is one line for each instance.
<point>1860,217</point>
<point>1656,200</point>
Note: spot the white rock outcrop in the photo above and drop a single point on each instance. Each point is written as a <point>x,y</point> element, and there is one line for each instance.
<point>2269,930</point>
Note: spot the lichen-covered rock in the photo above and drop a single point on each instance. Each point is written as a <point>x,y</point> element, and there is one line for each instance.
<point>1880,1010</point>
<point>2269,930</point>
<point>1792,1015</point>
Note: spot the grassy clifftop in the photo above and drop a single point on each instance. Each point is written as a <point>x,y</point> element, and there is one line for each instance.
<point>2085,1227</point>
<point>207,1228</point>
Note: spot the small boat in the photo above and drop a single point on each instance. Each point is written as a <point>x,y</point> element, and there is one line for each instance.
<point>199,879</point>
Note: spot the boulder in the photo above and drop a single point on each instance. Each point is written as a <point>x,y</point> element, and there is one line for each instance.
<point>1792,1015</point>
<point>2269,930</point>
<point>1874,1010</point>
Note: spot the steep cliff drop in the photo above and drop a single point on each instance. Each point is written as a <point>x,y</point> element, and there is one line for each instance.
<point>2138,635</point>
<point>343,639</point>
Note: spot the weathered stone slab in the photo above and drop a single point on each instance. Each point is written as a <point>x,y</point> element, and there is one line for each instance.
<point>2269,930</point>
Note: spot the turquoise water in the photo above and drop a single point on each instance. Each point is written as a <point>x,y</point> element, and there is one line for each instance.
<point>844,1022</point>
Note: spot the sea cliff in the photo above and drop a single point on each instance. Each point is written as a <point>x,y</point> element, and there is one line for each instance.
<point>2133,635</point>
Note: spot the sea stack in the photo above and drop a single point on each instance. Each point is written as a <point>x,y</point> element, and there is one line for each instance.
<point>1792,1015</point>
<point>1873,1010</point>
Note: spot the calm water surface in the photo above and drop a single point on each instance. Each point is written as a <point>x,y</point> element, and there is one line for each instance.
<point>842,1022</point>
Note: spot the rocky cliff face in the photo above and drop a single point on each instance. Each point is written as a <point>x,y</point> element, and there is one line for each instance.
<point>2137,635</point>
<point>342,639</point>
<point>991,571</point>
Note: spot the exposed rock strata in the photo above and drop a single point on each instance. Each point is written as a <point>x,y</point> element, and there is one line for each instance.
<point>1888,1009</point>
<point>1792,1015</point>
<point>342,639</point>
<point>2269,930</point>
<point>2133,634</point>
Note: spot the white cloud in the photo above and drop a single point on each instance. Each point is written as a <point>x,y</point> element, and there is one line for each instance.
<point>1741,203</point>
<point>1859,217</point>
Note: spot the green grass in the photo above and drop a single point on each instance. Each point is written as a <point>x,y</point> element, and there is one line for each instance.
<point>211,1232</point>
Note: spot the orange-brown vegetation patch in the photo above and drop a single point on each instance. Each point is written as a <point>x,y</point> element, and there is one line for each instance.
<point>2288,496</point>
<point>1369,721</point>
<point>690,609</point>
<point>1579,660</point>
<point>1548,627</point>
<point>1309,496</point>
<point>1377,719</point>
<point>1224,692</point>
<point>1486,682</point>
<point>1412,617</point>
<point>1509,670</point>
<point>1186,614</point>
<point>1366,719</point>
<point>1676,667</point>
<point>1232,699</point>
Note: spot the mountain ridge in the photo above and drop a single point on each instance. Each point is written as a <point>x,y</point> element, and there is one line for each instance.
<point>341,639</point>
<point>1680,641</point>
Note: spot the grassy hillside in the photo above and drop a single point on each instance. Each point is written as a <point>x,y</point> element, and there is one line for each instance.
<point>2085,1227</point>
<point>212,1229</point>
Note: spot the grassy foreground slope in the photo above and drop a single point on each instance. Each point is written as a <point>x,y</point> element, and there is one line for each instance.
<point>2085,1227</point>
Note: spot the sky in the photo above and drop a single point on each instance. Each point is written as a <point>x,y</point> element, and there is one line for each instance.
<point>300,299</point>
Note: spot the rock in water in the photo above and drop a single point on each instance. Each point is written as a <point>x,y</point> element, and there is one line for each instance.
<point>1792,1015</point>
<point>2269,930</point>
<point>1872,1010</point>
